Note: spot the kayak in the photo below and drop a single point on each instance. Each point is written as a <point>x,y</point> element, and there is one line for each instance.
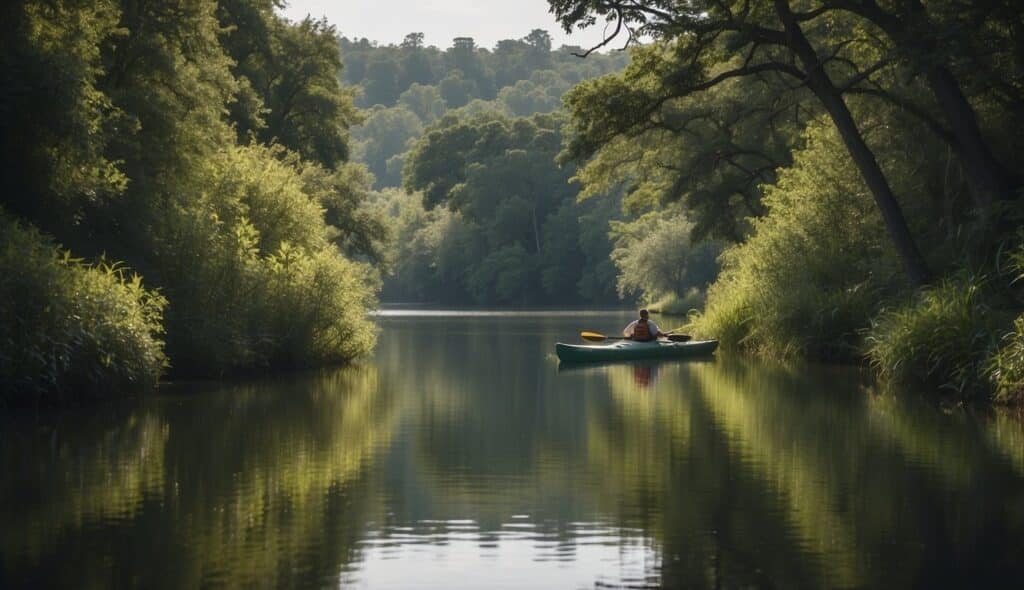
<point>630,350</point>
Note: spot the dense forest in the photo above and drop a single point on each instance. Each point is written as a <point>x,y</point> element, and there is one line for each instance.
<point>204,188</point>
<point>177,194</point>
<point>462,144</point>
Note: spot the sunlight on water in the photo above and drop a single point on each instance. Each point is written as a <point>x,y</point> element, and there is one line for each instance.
<point>462,456</point>
<point>508,561</point>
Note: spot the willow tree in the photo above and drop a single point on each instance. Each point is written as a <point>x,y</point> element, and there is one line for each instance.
<point>770,39</point>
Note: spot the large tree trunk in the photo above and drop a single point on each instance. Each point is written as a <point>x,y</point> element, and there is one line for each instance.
<point>826,91</point>
<point>987,178</point>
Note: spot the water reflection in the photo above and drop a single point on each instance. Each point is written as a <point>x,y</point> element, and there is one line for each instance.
<point>463,456</point>
<point>251,485</point>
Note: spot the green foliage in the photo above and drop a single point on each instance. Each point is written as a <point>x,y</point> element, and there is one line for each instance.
<point>355,225</point>
<point>444,256</point>
<point>383,134</point>
<point>964,335</point>
<point>120,131</point>
<point>168,73</point>
<point>723,143</point>
<point>1005,368</point>
<point>54,119</point>
<point>678,305</point>
<point>525,98</point>
<point>657,259</point>
<point>942,338</point>
<point>504,276</point>
<point>70,330</point>
<point>521,77</point>
<point>289,91</point>
<point>251,274</point>
<point>811,275</point>
<point>514,212</point>
<point>424,101</point>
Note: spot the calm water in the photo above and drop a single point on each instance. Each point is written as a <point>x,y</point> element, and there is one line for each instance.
<point>461,456</point>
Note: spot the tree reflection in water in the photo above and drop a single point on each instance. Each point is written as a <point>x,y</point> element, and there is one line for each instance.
<point>253,485</point>
<point>465,459</point>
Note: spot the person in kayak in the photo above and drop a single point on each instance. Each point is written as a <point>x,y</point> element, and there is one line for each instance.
<point>643,329</point>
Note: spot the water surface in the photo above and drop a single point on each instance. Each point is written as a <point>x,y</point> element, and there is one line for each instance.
<point>462,456</point>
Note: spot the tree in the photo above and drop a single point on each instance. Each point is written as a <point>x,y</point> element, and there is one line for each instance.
<point>713,150</point>
<point>384,134</point>
<point>924,44</point>
<point>415,68</point>
<point>381,83</point>
<point>539,52</point>
<point>656,256</point>
<point>413,41</point>
<point>525,98</point>
<point>498,176</point>
<point>424,101</point>
<point>290,92</point>
<point>155,97</point>
<point>55,120</point>
<point>456,90</point>
<point>772,40</point>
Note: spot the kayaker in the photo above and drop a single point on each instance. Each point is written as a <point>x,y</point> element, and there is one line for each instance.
<point>643,329</point>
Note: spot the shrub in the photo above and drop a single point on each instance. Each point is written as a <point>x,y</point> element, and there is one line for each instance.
<point>658,261</point>
<point>72,330</point>
<point>253,280</point>
<point>942,338</point>
<point>678,305</point>
<point>807,281</point>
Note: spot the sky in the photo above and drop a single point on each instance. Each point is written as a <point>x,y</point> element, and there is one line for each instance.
<point>487,21</point>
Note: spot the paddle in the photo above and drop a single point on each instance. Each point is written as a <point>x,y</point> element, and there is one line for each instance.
<point>598,337</point>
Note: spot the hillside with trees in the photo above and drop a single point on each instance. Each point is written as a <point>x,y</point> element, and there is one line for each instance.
<point>409,87</point>
<point>462,144</point>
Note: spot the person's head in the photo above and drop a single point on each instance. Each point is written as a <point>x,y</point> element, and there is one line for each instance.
<point>644,314</point>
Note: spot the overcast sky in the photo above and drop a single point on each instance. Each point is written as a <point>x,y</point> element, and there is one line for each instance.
<point>487,21</point>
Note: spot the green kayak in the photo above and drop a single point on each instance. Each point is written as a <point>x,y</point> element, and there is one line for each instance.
<point>630,350</point>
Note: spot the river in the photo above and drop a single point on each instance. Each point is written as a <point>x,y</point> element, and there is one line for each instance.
<point>462,456</point>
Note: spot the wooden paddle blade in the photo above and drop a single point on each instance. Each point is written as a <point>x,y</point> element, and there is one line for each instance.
<point>680,337</point>
<point>593,336</point>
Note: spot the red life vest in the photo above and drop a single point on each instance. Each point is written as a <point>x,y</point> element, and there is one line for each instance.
<point>642,332</point>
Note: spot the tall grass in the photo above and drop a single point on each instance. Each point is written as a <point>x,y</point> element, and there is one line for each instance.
<point>71,330</point>
<point>1005,368</point>
<point>942,338</point>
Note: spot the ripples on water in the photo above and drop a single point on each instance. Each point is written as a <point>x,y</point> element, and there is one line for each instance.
<point>462,456</point>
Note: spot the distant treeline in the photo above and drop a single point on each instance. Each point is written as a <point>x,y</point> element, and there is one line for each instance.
<point>408,87</point>
<point>464,145</point>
